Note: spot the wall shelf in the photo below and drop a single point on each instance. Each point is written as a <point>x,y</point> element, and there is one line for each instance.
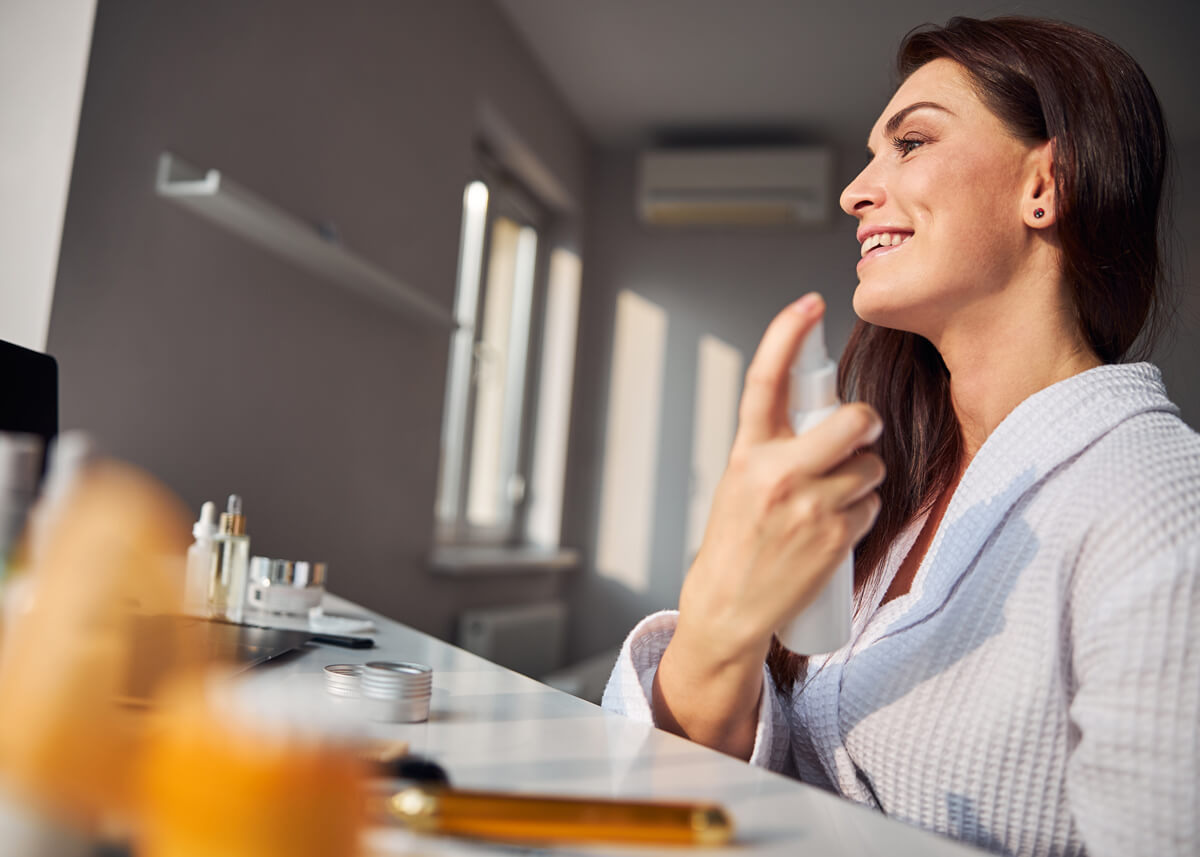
<point>217,198</point>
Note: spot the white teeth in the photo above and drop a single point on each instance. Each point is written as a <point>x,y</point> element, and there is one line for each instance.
<point>884,239</point>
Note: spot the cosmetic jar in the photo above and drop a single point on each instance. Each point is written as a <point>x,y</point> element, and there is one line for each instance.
<point>344,680</point>
<point>222,776</point>
<point>286,587</point>
<point>397,692</point>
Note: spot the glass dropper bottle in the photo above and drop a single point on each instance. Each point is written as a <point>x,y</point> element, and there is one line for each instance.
<point>233,562</point>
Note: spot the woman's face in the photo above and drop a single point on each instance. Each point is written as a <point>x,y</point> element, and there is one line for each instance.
<point>940,206</point>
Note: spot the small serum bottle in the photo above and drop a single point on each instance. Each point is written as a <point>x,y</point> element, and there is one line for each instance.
<point>233,563</point>
<point>201,562</point>
<point>824,625</point>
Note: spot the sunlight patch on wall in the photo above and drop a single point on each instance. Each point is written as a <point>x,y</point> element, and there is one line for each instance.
<point>631,442</point>
<point>718,386</point>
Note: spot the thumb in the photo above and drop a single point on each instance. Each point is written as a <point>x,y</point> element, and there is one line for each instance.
<point>762,414</point>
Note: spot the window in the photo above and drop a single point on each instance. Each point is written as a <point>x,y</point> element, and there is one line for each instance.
<point>499,483</point>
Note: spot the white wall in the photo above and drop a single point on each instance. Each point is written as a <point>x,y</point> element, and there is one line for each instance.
<point>43,57</point>
<point>221,368</point>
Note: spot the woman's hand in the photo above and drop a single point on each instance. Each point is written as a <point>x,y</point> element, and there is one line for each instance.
<point>787,508</point>
<point>786,511</point>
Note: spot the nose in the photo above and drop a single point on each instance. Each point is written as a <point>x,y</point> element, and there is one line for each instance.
<point>863,193</point>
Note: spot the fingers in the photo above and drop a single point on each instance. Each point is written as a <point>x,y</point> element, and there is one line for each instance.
<point>763,411</point>
<point>840,509</point>
<point>861,516</point>
<point>826,445</point>
<point>853,480</point>
<point>838,531</point>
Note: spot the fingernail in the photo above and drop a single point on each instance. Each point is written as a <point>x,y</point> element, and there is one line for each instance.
<point>807,303</point>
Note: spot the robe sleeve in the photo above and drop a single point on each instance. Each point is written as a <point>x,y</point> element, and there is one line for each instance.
<point>629,690</point>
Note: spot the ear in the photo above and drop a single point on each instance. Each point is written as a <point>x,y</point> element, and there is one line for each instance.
<point>1039,200</point>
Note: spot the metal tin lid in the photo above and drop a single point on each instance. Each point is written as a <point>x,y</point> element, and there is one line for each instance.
<point>399,692</point>
<point>343,679</point>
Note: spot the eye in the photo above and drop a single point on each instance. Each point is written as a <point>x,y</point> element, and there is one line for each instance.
<point>906,145</point>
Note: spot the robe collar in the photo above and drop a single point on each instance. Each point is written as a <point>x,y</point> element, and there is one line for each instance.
<point>1042,433</point>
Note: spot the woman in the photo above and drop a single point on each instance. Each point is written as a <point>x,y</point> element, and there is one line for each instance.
<point>1025,667</point>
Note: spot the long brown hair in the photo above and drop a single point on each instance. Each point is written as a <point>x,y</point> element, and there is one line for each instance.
<point>1045,80</point>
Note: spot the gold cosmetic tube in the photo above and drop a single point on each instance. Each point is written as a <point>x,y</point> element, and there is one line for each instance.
<point>533,818</point>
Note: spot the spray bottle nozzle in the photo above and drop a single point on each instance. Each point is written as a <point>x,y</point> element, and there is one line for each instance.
<point>814,377</point>
<point>812,353</point>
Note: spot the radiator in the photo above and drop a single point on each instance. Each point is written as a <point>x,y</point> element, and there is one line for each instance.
<point>530,639</point>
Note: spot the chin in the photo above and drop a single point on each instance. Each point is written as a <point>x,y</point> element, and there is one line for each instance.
<point>883,307</point>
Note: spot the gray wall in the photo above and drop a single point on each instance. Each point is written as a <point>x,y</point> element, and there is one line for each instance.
<point>221,368</point>
<point>1178,352</point>
<point>730,284</point>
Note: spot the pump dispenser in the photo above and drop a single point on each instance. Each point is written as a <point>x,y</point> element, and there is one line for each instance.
<point>824,625</point>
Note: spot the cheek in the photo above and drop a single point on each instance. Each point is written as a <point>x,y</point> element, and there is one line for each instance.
<point>976,201</point>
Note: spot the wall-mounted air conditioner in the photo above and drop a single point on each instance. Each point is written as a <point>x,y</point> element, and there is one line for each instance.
<point>755,186</point>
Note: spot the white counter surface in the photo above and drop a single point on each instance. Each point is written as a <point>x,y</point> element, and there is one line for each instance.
<point>491,728</point>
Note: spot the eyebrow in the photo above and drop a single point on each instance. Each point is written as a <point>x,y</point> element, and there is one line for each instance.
<point>893,124</point>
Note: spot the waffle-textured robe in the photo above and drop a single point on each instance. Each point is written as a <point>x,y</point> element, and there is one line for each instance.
<point>1037,691</point>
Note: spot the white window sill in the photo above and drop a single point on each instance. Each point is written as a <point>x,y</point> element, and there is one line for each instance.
<point>459,560</point>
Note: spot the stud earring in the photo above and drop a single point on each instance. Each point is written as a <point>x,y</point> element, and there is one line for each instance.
<point>1039,213</point>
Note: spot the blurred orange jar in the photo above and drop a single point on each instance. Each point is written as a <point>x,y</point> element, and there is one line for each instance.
<point>214,788</point>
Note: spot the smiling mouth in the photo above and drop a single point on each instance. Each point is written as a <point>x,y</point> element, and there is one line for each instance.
<point>881,242</point>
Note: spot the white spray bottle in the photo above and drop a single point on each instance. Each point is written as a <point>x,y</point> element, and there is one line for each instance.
<point>824,625</point>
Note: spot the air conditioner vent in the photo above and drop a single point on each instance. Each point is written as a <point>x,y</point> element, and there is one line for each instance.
<point>743,187</point>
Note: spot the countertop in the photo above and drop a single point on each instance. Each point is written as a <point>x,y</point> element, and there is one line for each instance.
<point>492,728</point>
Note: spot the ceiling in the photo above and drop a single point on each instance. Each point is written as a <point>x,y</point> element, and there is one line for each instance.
<point>640,71</point>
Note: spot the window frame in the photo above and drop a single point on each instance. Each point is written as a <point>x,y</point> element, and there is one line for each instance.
<point>506,199</point>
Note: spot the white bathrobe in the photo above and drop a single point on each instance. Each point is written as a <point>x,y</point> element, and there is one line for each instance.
<point>1038,689</point>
